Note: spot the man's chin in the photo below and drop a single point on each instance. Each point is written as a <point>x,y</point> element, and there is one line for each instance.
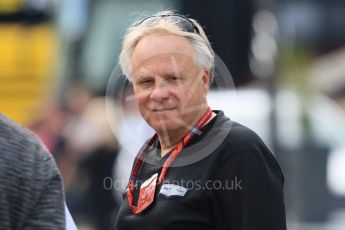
<point>163,126</point>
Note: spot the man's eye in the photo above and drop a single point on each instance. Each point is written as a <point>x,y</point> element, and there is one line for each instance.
<point>173,78</point>
<point>146,81</point>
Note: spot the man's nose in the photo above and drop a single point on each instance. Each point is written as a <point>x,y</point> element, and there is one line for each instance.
<point>160,92</point>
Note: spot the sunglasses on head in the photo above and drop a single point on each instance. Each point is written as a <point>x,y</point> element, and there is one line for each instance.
<point>181,21</point>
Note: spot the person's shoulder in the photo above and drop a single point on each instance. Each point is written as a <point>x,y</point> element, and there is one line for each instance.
<point>246,145</point>
<point>10,129</point>
<point>19,145</point>
<point>242,138</point>
<point>28,171</point>
<point>236,137</point>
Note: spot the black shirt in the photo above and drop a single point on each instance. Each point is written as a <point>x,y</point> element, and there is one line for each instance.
<point>225,178</point>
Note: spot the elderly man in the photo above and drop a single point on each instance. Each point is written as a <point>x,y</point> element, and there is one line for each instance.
<point>200,170</point>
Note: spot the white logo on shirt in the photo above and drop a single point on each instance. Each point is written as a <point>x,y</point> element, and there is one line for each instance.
<point>173,190</point>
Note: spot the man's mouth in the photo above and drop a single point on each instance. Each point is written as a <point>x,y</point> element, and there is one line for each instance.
<point>162,109</point>
<point>156,107</point>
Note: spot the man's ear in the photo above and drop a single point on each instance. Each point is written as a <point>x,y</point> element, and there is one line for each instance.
<point>206,78</point>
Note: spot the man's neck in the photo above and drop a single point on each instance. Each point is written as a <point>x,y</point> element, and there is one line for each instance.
<point>169,141</point>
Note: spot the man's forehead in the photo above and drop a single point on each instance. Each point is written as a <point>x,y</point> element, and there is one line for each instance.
<point>153,45</point>
<point>170,61</point>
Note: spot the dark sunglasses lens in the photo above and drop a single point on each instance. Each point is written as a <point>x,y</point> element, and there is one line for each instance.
<point>185,24</point>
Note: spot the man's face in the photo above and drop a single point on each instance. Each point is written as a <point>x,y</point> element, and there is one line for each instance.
<point>169,87</point>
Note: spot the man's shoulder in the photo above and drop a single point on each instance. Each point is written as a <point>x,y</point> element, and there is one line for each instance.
<point>234,136</point>
<point>11,129</point>
<point>242,137</point>
<point>246,144</point>
<point>19,145</point>
<point>24,159</point>
<point>238,136</point>
<point>28,171</point>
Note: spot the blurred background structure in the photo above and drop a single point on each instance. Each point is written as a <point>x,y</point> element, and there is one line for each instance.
<point>286,57</point>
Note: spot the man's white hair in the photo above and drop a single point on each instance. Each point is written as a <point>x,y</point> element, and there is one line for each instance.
<point>203,56</point>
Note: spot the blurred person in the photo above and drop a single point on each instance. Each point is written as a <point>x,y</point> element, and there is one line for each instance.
<point>31,192</point>
<point>48,125</point>
<point>75,100</point>
<point>200,170</point>
<point>94,149</point>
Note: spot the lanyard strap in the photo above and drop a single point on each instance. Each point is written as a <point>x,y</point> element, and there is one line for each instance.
<point>170,159</point>
<point>182,143</point>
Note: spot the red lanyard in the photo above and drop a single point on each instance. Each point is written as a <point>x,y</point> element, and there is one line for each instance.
<point>167,163</point>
